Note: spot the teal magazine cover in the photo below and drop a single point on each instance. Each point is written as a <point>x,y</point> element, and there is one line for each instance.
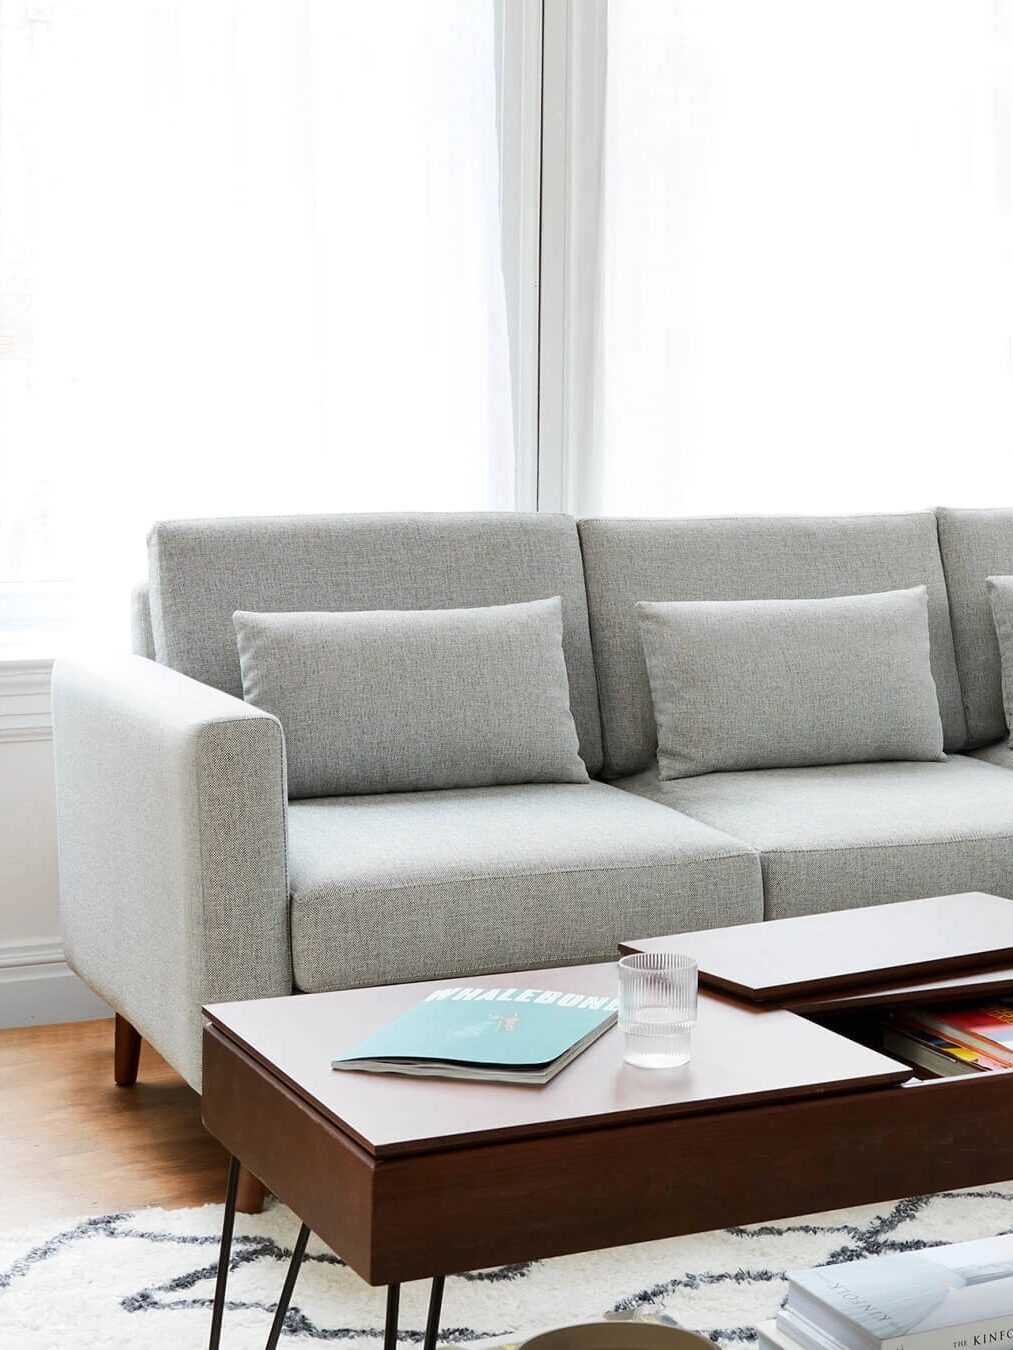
<point>514,1035</point>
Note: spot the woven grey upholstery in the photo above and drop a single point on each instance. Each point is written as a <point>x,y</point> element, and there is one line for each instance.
<point>171,809</point>
<point>749,558</point>
<point>142,640</point>
<point>201,571</point>
<point>976,545</point>
<point>998,752</point>
<point>401,700</point>
<point>769,684</point>
<point>845,835</point>
<point>418,885</point>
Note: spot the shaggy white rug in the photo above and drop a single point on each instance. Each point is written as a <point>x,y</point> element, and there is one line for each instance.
<point>146,1279</point>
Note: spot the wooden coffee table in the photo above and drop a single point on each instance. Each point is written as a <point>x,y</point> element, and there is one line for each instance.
<point>779,1112</point>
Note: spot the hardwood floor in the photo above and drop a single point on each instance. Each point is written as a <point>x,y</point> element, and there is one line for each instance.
<point>73,1143</point>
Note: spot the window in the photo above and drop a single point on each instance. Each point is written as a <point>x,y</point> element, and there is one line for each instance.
<point>706,256</point>
<point>251,261</point>
<point>805,261</point>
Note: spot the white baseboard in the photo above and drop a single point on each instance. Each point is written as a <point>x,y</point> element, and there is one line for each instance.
<point>37,987</point>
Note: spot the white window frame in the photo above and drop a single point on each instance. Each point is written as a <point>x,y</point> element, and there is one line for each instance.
<point>573,105</point>
<point>519,118</point>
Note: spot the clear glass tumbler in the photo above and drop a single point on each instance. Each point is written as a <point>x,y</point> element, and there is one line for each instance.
<point>657,1008</point>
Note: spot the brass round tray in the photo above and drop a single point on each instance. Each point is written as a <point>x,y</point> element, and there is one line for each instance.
<point>619,1335</point>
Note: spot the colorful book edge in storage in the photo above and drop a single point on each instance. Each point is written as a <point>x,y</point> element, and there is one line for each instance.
<point>986,1027</point>
<point>498,1034</point>
<point>937,1055</point>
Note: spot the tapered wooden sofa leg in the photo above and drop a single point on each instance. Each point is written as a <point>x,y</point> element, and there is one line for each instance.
<point>251,1194</point>
<point>127,1053</point>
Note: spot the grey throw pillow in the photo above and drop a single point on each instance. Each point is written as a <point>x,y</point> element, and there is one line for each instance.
<point>763,684</point>
<point>398,700</point>
<point>1000,597</point>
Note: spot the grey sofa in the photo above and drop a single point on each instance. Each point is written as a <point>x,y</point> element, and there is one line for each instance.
<point>187,877</point>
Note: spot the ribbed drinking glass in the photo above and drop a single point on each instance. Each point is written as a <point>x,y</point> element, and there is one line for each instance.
<point>657,1008</point>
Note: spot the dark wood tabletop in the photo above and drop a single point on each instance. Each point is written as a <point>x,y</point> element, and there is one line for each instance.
<point>741,1054</point>
<point>784,959</point>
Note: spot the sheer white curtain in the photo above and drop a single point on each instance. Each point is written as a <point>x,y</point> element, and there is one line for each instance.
<point>806,299</point>
<point>249,262</point>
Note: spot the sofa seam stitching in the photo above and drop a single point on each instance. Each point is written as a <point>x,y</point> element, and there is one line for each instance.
<point>900,843</point>
<point>748,854</point>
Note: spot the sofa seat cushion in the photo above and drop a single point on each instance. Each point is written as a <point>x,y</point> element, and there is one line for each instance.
<point>421,885</point>
<point>845,835</point>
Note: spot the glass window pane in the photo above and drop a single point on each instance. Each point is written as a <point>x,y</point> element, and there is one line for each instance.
<point>249,263</point>
<point>806,267</point>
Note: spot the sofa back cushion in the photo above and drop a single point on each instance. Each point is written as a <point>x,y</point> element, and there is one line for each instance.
<point>746,558</point>
<point>1000,601</point>
<point>976,545</point>
<point>142,640</point>
<point>202,571</point>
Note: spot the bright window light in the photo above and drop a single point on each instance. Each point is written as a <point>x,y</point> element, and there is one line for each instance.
<point>806,262</point>
<point>249,263</point>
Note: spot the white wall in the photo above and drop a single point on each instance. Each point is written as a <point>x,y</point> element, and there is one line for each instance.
<point>35,983</point>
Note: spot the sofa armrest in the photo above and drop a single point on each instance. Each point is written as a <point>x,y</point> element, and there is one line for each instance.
<point>171,808</point>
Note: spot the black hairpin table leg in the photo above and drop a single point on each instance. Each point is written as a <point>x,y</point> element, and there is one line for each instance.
<point>224,1254</point>
<point>390,1326</point>
<point>433,1320</point>
<point>298,1252</point>
<point>286,1292</point>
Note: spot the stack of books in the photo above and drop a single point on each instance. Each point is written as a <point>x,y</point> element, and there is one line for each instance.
<point>947,1041</point>
<point>941,1298</point>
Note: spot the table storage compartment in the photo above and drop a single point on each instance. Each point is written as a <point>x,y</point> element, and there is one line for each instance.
<point>868,1026</point>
